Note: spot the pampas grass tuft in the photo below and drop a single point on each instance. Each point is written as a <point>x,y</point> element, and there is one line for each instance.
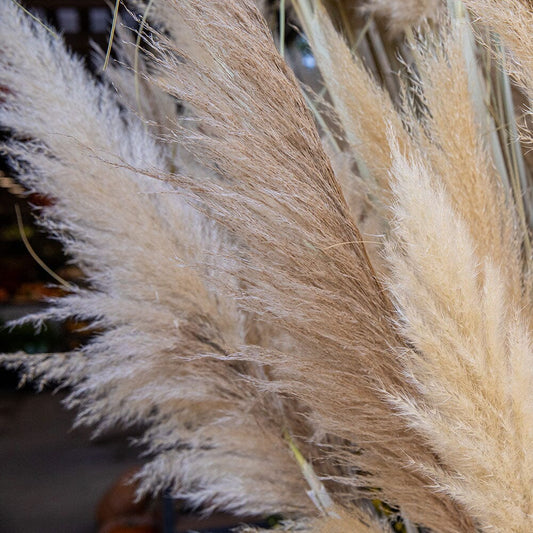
<point>277,362</point>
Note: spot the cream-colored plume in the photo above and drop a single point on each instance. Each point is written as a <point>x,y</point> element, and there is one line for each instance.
<point>274,363</point>
<point>460,156</point>
<point>470,355</point>
<point>512,20</point>
<point>303,265</point>
<point>364,118</point>
<point>216,440</point>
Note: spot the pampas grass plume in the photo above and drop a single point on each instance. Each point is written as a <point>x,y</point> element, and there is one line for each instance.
<point>276,362</point>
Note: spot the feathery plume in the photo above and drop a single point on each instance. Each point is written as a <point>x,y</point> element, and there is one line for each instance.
<point>157,318</point>
<point>469,356</point>
<point>240,316</point>
<point>512,20</point>
<point>459,155</point>
<point>304,268</point>
<point>364,119</point>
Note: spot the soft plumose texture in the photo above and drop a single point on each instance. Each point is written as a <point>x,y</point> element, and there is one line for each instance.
<point>275,365</point>
<point>512,20</point>
<point>157,315</point>
<point>305,268</point>
<point>470,358</point>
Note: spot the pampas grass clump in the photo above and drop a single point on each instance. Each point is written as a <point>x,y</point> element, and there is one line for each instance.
<point>330,322</point>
